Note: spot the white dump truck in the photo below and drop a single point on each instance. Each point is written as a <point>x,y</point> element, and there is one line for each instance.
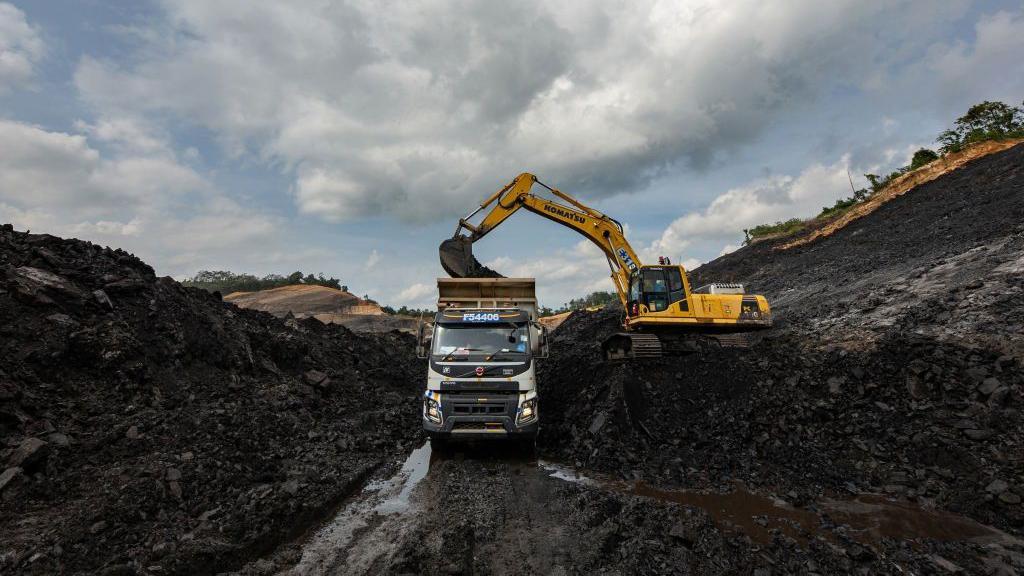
<point>481,379</point>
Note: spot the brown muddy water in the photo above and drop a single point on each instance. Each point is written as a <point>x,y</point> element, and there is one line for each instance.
<point>866,518</point>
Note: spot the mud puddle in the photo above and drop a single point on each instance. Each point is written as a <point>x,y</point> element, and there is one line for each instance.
<point>365,529</point>
<point>866,519</point>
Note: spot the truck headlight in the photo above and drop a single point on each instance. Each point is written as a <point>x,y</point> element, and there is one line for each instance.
<point>431,410</point>
<point>527,412</point>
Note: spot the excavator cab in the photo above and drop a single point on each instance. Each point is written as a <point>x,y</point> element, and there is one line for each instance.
<point>656,289</point>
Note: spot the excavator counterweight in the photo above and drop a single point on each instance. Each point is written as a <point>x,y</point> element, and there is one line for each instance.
<point>663,316</point>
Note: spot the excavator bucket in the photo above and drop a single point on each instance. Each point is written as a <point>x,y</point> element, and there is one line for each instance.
<point>458,261</point>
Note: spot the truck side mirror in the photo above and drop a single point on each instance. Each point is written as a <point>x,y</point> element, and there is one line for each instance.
<point>421,349</point>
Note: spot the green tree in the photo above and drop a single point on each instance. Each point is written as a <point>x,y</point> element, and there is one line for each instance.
<point>877,182</point>
<point>227,282</point>
<point>922,157</point>
<point>984,121</point>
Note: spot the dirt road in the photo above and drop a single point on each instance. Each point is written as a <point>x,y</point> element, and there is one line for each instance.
<point>489,510</point>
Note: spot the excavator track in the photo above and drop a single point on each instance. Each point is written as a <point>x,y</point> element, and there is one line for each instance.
<point>624,346</point>
<point>635,345</point>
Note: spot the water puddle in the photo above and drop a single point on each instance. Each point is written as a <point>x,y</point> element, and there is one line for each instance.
<point>383,505</point>
<point>866,518</point>
<point>873,516</point>
<point>414,469</point>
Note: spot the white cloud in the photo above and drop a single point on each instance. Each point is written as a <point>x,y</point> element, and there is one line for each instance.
<point>763,201</point>
<point>63,171</point>
<point>383,111</point>
<point>418,295</point>
<point>991,64</point>
<point>561,274</point>
<point>138,197</point>
<point>21,47</point>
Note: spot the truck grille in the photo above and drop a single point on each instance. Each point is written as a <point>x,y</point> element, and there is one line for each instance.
<point>479,409</point>
<point>495,427</point>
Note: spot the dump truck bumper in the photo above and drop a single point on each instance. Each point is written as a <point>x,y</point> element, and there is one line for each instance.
<point>479,427</point>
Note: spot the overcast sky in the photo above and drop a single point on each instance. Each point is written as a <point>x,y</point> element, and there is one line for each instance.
<point>348,137</point>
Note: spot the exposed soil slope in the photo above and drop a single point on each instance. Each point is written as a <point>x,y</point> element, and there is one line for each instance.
<point>555,320</point>
<point>327,305</point>
<point>150,427</point>
<point>303,301</point>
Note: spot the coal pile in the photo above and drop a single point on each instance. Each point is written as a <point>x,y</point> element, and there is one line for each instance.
<point>896,366</point>
<point>149,427</point>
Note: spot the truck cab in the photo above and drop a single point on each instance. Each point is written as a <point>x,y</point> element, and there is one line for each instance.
<point>481,376</point>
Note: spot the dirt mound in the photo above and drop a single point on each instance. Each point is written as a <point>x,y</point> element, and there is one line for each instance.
<point>555,320</point>
<point>327,305</point>
<point>304,301</point>
<point>149,427</point>
<point>896,366</point>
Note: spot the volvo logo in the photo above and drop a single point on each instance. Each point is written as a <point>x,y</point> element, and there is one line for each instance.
<point>479,370</point>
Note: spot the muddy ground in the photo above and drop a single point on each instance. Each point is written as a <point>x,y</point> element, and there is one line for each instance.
<point>152,429</point>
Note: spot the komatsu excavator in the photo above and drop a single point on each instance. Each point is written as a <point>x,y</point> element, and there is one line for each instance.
<point>663,316</point>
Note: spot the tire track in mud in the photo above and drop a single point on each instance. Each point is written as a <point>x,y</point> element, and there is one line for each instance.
<point>489,510</point>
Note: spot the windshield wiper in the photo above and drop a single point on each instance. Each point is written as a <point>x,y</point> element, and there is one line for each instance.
<point>449,355</point>
<point>491,356</point>
<point>511,335</point>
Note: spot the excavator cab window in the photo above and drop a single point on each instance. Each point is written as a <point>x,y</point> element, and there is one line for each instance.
<point>655,289</point>
<point>658,288</point>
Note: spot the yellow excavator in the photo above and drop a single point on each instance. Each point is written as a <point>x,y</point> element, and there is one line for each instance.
<point>663,316</point>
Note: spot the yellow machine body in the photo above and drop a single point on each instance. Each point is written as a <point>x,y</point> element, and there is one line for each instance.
<point>657,299</point>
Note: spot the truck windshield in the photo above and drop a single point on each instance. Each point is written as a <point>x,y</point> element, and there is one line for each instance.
<point>458,342</point>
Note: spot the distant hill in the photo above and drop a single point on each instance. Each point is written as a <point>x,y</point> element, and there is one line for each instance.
<point>304,301</point>
<point>329,305</point>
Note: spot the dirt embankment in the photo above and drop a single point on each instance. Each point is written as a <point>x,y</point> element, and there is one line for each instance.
<point>149,427</point>
<point>303,301</point>
<point>895,368</point>
<point>327,305</point>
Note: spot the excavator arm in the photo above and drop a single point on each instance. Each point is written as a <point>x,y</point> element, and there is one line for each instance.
<point>602,230</point>
<point>662,316</point>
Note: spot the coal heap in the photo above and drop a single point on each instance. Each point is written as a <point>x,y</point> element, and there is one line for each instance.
<point>151,427</point>
<point>895,368</point>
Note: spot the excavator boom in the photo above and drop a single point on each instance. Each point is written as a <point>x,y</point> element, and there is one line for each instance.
<point>662,314</point>
<point>457,252</point>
